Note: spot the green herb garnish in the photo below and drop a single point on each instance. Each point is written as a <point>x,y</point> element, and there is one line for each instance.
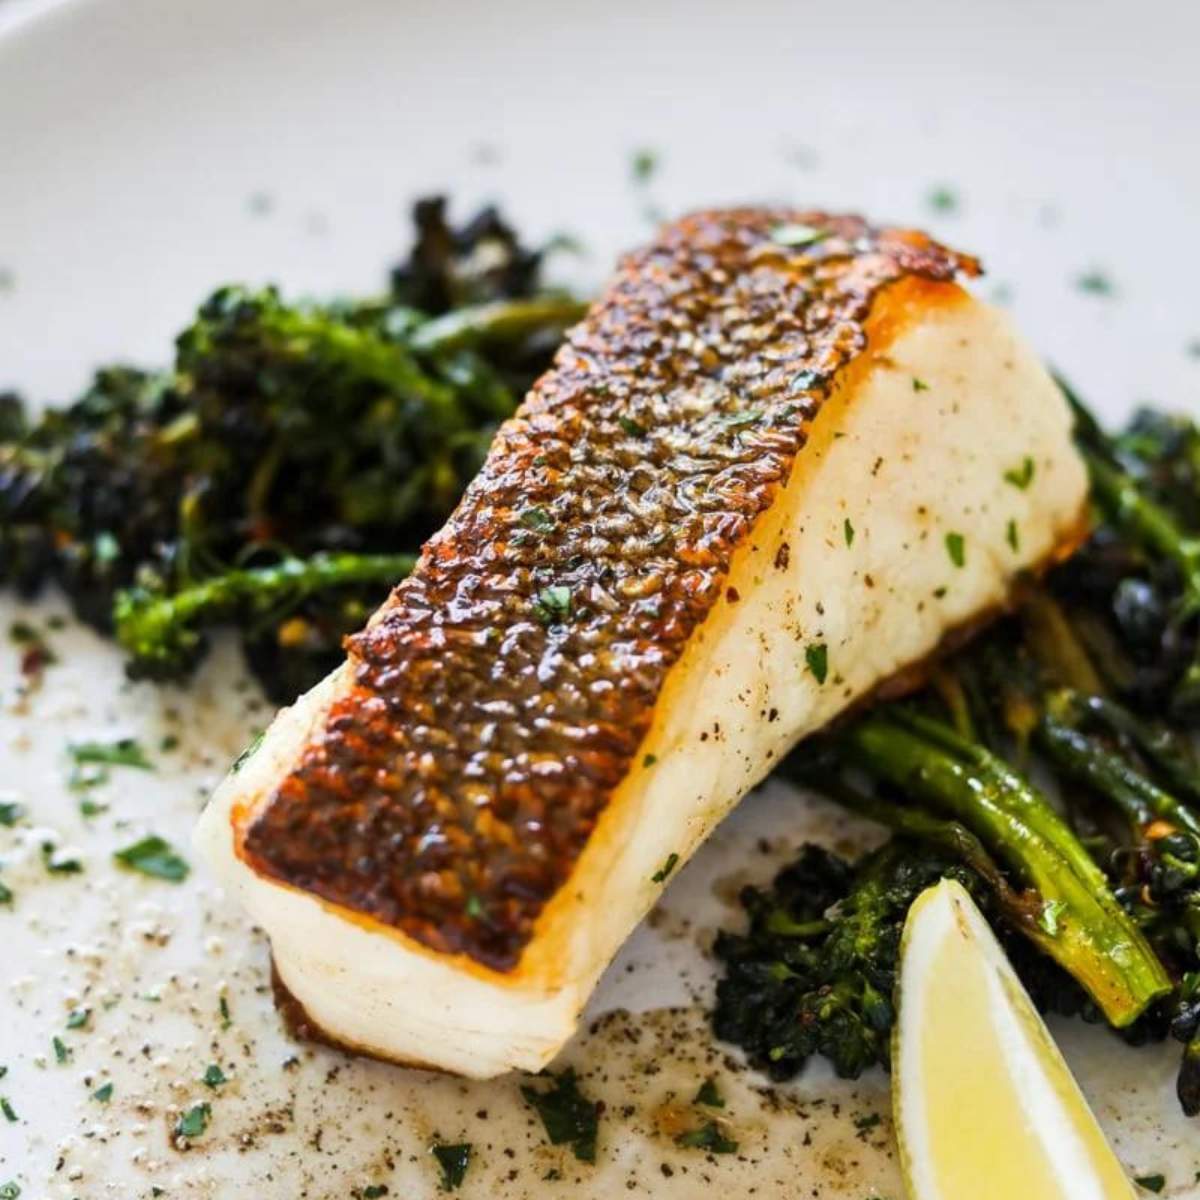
<point>453,1161</point>
<point>552,605</point>
<point>537,519</point>
<point>567,1114</point>
<point>123,753</point>
<point>213,1076</point>
<point>660,876</point>
<point>708,1137</point>
<point>794,235</point>
<point>1022,476</point>
<point>103,1093</point>
<point>816,659</point>
<point>11,813</point>
<point>59,866</point>
<point>956,547</point>
<point>848,532</point>
<point>709,1095</point>
<point>153,856</point>
<point>195,1121</point>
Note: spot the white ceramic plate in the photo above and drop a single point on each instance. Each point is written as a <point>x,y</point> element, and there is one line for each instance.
<point>151,149</point>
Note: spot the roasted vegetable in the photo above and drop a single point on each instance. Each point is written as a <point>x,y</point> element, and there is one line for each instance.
<point>282,432</point>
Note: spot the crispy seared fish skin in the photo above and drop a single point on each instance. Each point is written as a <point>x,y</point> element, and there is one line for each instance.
<point>766,474</point>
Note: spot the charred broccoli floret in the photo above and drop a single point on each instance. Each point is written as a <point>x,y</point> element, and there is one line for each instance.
<point>162,502</point>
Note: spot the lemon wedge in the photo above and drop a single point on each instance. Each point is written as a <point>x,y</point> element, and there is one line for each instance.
<point>985,1106</point>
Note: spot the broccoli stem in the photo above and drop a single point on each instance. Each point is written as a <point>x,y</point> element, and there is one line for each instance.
<point>1023,908</point>
<point>161,633</point>
<point>1087,931</point>
<point>1087,761</point>
<point>502,321</point>
<point>1164,749</point>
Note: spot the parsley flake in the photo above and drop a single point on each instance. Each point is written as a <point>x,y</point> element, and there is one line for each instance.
<point>848,532</point>
<point>61,1053</point>
<point>943,199</point>
<point>643,164</point>
<point>794,234</point>
<point>568,1115</point>
<point>10,1113</point>
<point>123,753</point>
<point>816,659</point>
<point>1095,283</point>
<point>1021,477</point>
<point>537,519</point>
<point>154,857</point>
<point>11,813</point>
<point>78,1018</point>
<point>708,1137</point>
<point>195,1121</point>
<point>1013,536</point>
<point>552,605</point>
<point>956,547</point>
<point>649,760</point>
<point>1152,1183</point>
<point>454,1161</point>
<point>248,753</point>
<point>1048,917</point>
<point>10,1190</point>
<point>213,1076</point>
<point>660,876</point>
<point>103,1093</point>
<point>59,866</point>
<point>709,1095</point>
<point>919,385</point>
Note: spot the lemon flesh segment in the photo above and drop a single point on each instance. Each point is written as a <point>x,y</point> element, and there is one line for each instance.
<point>985,1105</point>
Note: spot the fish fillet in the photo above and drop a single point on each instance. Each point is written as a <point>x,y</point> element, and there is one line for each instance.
<point>782,458</point>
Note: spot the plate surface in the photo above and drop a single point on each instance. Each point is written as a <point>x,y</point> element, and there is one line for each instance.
<point>151,149</point>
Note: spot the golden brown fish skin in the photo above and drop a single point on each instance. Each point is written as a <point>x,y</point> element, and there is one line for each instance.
<point>502,691</point>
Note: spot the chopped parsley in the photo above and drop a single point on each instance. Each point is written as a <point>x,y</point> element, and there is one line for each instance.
<point>649,760</point>
<point>552,605</point>
<point>919,385</point>
<point>795,234</point>
<point>1013,536</point>
<point>373,1191</point>
<point>943,199</point>
<point>1095,283</point>
<point>848,532</point>
<point>643,164</point>
<point>568,1115</point>
<point>630,426</point>
<point>454,1161</point>
<point>123,753</point>
<point>61,1052</point>
<point>709,1095</point>
<point>537,519</point>
<point>195,1121</point>
<point>1048,917</point>
<point>816,658</point>
<point>1022,476</point>
<point>153,856</point>
<point>660,876</point>
<point>11,813</point>
<point>78,1018</point>
<point>736,420</point>
<point>1152,1183</point>
<point>213,1076</point>
<point>10,1190</point>
<point>474,907</point>
<point>59,866</point>
<point>6,894</point>
<point>10,1113</point>
<point>248,753</point>
<point>91,808</point>
<point>226,1018</point>
<point>103,1093</point>
<point>708,1137</point>
<point>956,547</point>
